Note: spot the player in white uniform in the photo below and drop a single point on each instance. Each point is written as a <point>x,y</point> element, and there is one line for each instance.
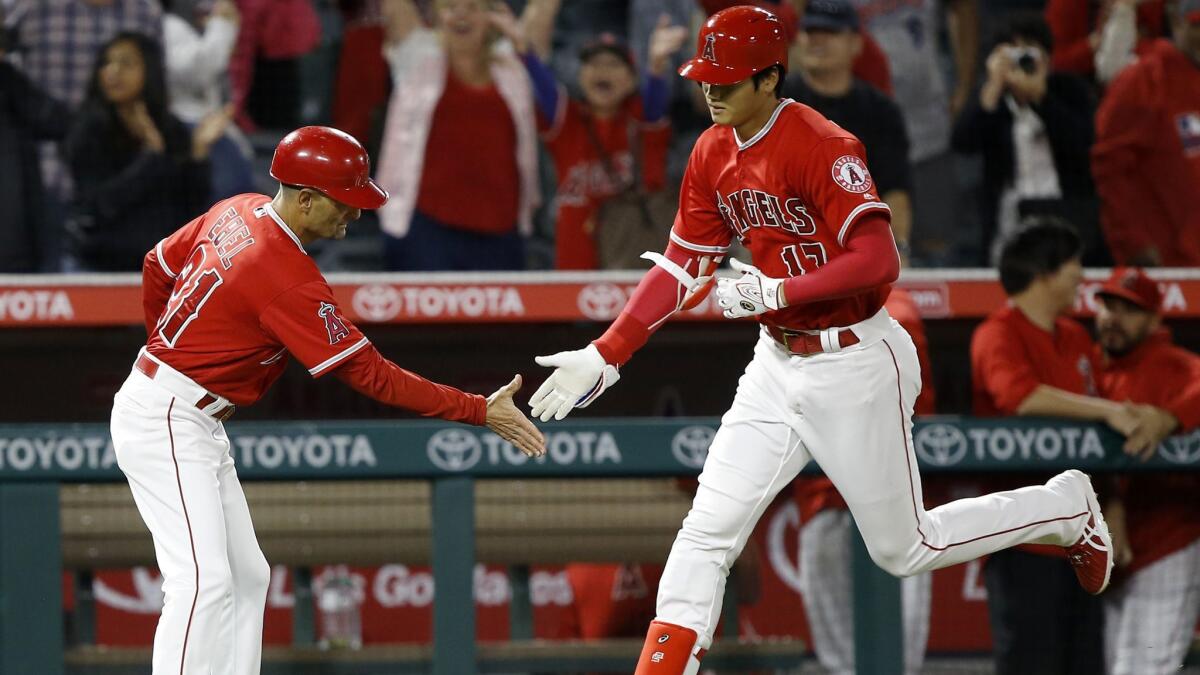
<point>833,377</point>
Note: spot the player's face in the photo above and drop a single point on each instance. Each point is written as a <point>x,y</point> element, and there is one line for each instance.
<point>826,51</point>
<point>464,23</point>
<point>1064,285</point>
<point>606,81</point>
<point>734,104</point>
<point>123,73</point>
<point>1122,325</point>
<point>329,218</point>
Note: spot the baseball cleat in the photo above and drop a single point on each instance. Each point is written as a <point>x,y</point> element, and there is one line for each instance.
<point>1091,556</point>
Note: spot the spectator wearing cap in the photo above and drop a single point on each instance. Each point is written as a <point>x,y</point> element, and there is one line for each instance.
<point>1146,159</point>
<point>829,44</point>
<point>459,149</point>
<point>597,140</point>
<point>1154,602</point>
<point>1033,128</point>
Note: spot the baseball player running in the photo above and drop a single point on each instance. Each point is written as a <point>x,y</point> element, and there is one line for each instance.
<point>227,298</point>
<point>833,377</point>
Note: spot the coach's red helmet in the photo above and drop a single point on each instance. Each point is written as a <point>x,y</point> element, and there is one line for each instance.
<point>329,160</point>
<point>736,43</point>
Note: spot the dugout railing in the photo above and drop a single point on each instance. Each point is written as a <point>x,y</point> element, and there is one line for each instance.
<point>36,461</point>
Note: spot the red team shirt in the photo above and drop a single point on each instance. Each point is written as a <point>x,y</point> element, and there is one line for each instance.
<point>791,194</point>
<point>231,294</point>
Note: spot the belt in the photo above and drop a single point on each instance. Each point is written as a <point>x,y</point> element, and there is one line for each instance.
<point>806,343</point>
<point>150,369</point>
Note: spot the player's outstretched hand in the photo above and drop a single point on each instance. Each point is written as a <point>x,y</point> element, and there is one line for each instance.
<point>579,377</point>
<point>751,294</point>
<point>509,423</point>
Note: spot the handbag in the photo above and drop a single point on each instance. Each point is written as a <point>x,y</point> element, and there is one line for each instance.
<point>634,220</point>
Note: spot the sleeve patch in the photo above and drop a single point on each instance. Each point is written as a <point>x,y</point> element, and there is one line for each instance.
<point>334,326</point>
<point>850,173</point>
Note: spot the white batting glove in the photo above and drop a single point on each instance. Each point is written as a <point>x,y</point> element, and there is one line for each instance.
<point>579,377</point>
<point>751,294</point>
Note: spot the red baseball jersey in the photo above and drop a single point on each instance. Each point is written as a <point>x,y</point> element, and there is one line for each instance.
<point>791,194</point>
<point>245,296</point>
<point>1163,511</point>
<point>1010,357</point>
<point>584,179</point>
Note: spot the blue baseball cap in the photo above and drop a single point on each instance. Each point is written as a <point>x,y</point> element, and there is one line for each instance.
<point>838,15</point>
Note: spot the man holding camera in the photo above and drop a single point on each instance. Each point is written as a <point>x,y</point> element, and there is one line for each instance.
<point>1033,128</point>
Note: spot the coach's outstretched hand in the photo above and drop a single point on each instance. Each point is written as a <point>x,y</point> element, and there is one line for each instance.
<point>509,423</point>
<point>579,377</point>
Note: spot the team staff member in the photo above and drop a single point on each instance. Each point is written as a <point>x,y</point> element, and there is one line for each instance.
<point>227,298</point>
<point>1030,358</point>
<point>1155,518</point>
<point>1146,158</point>
<point>833,377</point>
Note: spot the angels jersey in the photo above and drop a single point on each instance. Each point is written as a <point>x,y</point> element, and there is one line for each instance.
<point>791,195</point>
<point>244,295</point>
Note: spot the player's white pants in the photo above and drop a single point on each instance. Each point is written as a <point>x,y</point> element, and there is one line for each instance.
<point>1149,619</point>
<point>215,577</point>
<point>851,411</point>
<point>826,582</point>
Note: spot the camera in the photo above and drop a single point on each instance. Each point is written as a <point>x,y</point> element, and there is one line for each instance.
<point>1026,58</point>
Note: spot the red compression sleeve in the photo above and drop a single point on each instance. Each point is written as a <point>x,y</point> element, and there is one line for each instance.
<point>368,373</point>
<point>657,297</point>
<point>870,260</point>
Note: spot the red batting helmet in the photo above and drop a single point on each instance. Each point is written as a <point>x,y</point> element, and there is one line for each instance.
<point>325,159</point>
<point>736,43</point>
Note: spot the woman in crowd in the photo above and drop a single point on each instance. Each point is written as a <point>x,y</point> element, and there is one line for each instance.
<point>459,152</point>
<point>139,173</point>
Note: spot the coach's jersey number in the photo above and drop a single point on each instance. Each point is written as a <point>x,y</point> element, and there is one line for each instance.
<point>196,286</point>
<point>795,255</point>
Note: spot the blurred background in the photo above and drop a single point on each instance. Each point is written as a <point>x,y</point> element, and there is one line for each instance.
<point>121,120</point>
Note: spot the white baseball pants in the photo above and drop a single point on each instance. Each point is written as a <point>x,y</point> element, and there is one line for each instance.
<point>215,577</point>
<point>851,411</point>
<point>827,584</point>
<point>1149,618</point>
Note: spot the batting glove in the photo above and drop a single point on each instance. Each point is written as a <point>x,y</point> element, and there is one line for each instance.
<point>751,294</point>
<point>579,377</point>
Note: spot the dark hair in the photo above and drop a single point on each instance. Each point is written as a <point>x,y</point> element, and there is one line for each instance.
<point>1042,246</point>
<point>154,88</point>
<point>762,75</point>
<point>1026,25</point>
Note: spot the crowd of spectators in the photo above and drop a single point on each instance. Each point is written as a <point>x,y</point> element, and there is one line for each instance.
<point>539,134</point>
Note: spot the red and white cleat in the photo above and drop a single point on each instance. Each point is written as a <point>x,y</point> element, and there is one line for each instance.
<point>1091,556</point>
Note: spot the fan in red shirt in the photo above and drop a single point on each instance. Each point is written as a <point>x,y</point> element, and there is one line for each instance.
<point>604,141</point>
<point>227,298</point>
<point>833,378</point>
<point>1146,159</point>
<point>1155,517</point>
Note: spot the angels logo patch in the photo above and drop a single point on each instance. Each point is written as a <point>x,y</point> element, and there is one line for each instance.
<point>333,323</point>
<point>710,48</point>
<point>851,174</point>
<point>1188,125</point>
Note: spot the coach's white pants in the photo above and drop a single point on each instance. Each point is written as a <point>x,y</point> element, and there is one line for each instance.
<point>215,577</point>
<point>1149,618</point>
<point>826,582</point>
<point>851,411</point>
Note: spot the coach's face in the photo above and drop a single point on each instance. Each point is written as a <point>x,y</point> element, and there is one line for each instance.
<point>325,217</point>
<point>1121,325</point>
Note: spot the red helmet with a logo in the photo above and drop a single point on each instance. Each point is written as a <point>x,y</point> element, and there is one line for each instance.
<point>736,43</point>
<point>332,161</point>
